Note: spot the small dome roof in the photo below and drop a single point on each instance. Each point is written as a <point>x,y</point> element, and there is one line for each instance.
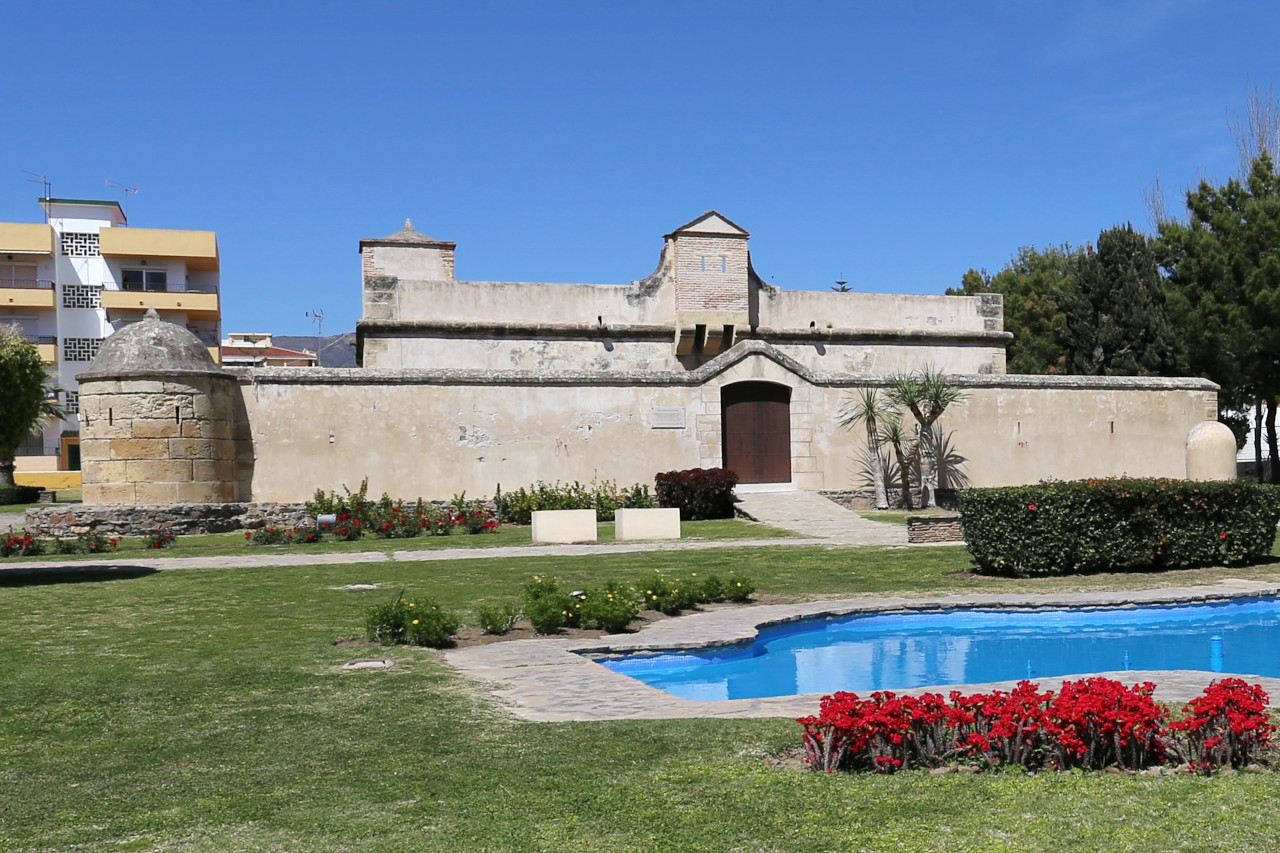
<point>152,346</point>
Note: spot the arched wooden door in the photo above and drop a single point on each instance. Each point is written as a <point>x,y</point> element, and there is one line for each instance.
<point>756,430</point>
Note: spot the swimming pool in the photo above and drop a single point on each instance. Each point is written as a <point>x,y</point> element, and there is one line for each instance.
<point>903,650</point>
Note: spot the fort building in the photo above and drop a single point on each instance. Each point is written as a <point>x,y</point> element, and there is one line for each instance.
<point>465,385</point>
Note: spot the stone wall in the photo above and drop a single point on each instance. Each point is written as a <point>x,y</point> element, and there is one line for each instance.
<point>176,518</point>
<point>436,433</point>
<point>934,528</point>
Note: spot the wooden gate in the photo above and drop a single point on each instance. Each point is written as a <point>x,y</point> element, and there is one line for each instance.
<point>756,429</point>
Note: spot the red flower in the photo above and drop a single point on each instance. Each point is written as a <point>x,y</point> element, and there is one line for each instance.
<point>1031,506</point>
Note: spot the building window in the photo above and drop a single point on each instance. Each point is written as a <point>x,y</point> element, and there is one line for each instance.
<point>33,445</point>
<point>17,275</point>
<point>144,279</point>
<point>81,296</point>
<point>80,349</point>
<point>79,244</point>
<point>72,405</point>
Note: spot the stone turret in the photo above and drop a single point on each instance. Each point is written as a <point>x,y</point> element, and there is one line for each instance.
<point>157,420</point>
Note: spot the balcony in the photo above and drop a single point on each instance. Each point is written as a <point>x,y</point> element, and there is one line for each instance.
<point>26,293</point>
<point>47,346</point>
<point>171,297</point>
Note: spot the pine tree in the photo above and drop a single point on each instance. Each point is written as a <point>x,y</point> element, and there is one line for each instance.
<point>1115,315</point>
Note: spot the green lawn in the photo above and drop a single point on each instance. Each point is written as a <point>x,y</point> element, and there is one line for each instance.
<point>215,544</point>
<point>203,711</point>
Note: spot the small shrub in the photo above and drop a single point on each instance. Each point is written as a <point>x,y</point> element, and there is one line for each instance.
<point>21,544</point>
<point>711,588</point>
<point>160,539</point>
<point>69,545</point>
<point>348,527</point>
<point>1097,722</point>
<point>699,493</point>
<point>393,520</point>
<point>10,495</point>
<point>658,592</point>
<point>1118,525</point>
<point>603,496</point>
<point>549,614</point>
<point>1227,726</point>
<point>267,534</point>
<point>422,623</point>
<point>100,543</point>
<point>610,608</point>
<point>497,618</point>
<point>548,608</point>
<point>738,587</point>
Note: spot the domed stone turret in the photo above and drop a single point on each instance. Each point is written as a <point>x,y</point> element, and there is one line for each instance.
<point>157,420</point>
<point>151,345</point>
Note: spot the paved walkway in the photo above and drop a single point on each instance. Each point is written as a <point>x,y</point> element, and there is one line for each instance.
<point>814,515</point>
<point>556,680</point>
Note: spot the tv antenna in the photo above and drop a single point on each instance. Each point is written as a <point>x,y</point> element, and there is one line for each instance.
<point>317,317</point>
<point>128,191</point>
<point>48,189</point>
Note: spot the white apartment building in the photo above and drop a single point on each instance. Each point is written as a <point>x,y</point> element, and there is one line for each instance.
<point>72,280</point>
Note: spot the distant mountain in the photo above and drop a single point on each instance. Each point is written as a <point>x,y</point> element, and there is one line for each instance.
<point>335,350</point>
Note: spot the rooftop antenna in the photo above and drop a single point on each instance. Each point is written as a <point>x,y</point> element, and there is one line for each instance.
<point>128,191</point>
<point>48,189</point>
<point>317,316</point>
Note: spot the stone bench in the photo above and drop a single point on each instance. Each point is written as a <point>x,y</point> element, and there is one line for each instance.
<point>663,523</point>
<point>564,525</point>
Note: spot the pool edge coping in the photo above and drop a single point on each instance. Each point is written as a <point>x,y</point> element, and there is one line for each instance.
<point>553,679</point>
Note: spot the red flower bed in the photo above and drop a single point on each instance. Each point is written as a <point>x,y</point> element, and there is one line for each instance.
<point>1092,723</point>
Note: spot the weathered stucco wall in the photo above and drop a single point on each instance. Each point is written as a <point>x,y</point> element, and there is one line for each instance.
<point>436,433</point>
<point>884,311</point>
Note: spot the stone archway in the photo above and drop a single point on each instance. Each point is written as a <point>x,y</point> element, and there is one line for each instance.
<point>756,431</point>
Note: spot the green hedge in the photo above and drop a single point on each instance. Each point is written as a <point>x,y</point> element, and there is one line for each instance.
<point>604,497</point>
<point>18,495</point>
<point>1118,525</point>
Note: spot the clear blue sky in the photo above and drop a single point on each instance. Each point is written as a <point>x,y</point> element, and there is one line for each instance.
<point>896,144</point>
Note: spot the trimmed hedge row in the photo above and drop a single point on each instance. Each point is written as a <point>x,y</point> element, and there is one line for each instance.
<point>18,495</point>
<point>1118,525</point>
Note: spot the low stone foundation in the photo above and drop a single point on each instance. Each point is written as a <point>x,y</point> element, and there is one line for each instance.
<point>178,518</point>
<point>934,528</point>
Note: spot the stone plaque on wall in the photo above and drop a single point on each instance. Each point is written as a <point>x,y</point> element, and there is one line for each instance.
<point>667,417</point>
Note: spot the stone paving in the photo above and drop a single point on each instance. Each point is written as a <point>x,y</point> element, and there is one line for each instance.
<point>554,680</point>
<point>811,513</point>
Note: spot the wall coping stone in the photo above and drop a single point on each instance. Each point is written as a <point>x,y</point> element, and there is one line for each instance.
<point>698,376</point>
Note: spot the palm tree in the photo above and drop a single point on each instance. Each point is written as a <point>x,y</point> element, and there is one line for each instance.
<point>905,447</point>
<point>927,393</point>
<point>868,409</point>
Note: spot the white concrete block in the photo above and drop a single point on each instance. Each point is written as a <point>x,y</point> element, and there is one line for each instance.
<point>647,523</point>
<point>564,525</point>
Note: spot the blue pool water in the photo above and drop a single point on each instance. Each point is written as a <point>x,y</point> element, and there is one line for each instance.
<point>901,650</point>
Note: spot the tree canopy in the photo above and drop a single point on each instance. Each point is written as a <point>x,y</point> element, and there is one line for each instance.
<point>1222,271</point>
<point>1033,285</point>
<point>1115,323</point>
<point>22,381</point>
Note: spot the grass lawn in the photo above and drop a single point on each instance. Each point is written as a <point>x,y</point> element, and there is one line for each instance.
<point>204,711</point>
<point>215,544</point>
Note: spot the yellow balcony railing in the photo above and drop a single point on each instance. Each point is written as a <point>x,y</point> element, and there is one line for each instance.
<point>16,293</point>
<point>194,303</point>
